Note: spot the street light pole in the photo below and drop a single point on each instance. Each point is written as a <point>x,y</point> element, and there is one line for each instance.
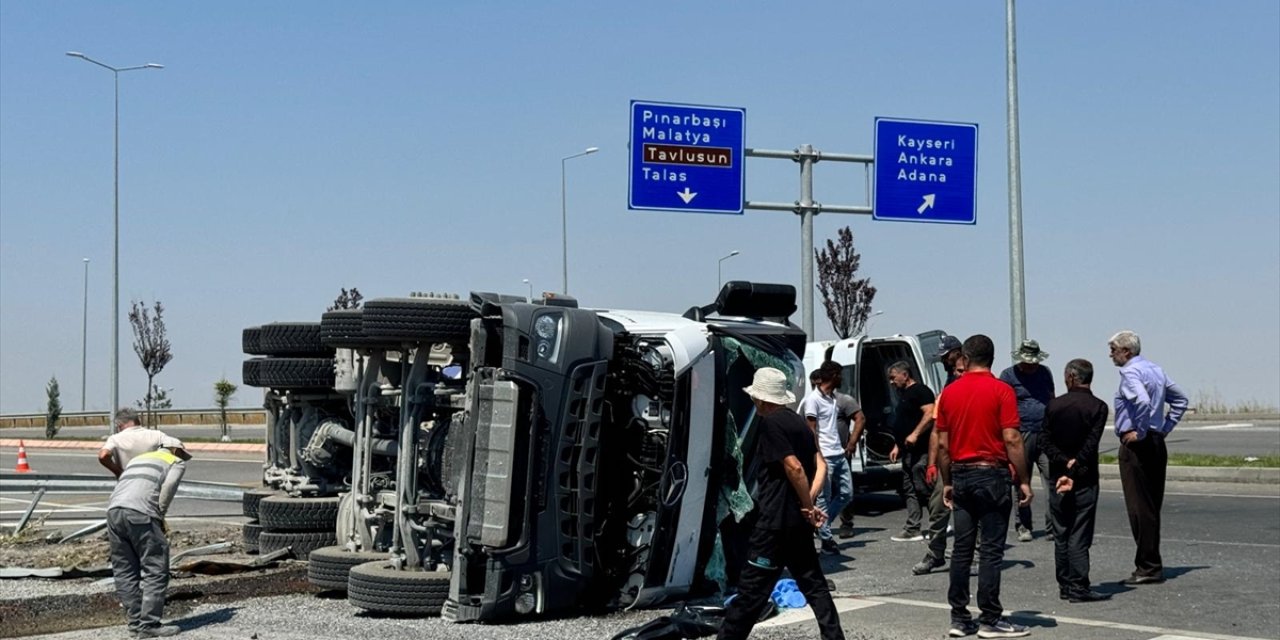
<point>564,218</point>
<point>84,337</point>
<point>1017,285</point>
<point>866,327</point>
<point>526,281</point>
<point>115,253</point>
<point>719,264</point>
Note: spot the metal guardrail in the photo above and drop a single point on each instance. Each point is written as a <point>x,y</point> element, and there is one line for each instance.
<point>89,483</point>
<point>238,416</point>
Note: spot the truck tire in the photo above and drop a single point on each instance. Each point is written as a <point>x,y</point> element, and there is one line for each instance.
<point>251,341</point>
<point>418,319</point>
<point>249,372</point>
<point>375,586</point>
<point>289,373</point>
<point>283,513</point>
<point>293,339</point>
<point>328,567</point>
<point>303,542</point>
<point>249,501</point>
<point>344,329</point>
<point>250,532</point>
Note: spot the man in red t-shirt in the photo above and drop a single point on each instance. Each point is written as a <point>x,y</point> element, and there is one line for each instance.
<point>978,441</point>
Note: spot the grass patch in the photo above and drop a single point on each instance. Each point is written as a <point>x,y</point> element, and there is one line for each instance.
<point>1211,402</point>
<point>1207,460</point>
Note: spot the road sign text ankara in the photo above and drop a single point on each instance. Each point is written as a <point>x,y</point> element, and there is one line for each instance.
<point>926,171</point>
<point>686,157</point>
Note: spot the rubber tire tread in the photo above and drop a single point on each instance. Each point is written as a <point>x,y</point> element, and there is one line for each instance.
<point>251,532</point>
<point>251,341</point>
<point>294,373</point>
<point>418,319</point>
<point>293,339</point>
<point>251,498</point>
<point>249,372</point>
<point>344,329</point>
<point>328,567</point>
<point>375,586</point>
<point>285,513</point>
<point>303,542</point>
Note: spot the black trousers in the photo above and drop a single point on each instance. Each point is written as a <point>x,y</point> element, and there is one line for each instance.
<point>914,489</point>
<point>983,502</point>
<point>1037,461</point>
<point>771,551</point>
<point>1073,517</point>
<point>1142,471</point>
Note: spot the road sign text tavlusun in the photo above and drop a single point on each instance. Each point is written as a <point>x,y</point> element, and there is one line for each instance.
<point>686,158</point>
<point>926,171</point>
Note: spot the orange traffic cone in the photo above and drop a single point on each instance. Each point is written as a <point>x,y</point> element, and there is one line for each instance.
<point>23,467</point>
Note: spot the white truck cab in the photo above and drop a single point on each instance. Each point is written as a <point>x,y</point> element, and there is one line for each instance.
<point>865,362</point>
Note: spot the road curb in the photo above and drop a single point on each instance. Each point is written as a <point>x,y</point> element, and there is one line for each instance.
<point>1244,475</point>
<point>195,447</point>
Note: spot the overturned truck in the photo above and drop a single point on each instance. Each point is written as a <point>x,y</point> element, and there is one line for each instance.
<point>492,458</point>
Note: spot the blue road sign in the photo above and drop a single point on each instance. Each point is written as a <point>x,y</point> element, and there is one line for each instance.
<point>926,171</point>
<point>686,157</point>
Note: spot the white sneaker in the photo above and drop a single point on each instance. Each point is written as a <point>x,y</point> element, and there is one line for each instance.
<point>907,536</point>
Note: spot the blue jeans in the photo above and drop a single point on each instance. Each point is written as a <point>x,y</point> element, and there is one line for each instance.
<point>983,500</point>
<point>837,493</point>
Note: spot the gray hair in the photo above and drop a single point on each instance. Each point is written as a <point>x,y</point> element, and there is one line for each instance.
<point>902,366</point>
<point>1127,340</point>
<point>127,415</point>
<point>1082,370</point>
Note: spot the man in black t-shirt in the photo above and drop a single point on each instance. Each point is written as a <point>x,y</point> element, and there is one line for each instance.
<point>913,422</point>
<point>791,473</point>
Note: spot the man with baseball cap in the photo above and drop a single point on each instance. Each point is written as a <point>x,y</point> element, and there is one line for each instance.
<point>791,473</point>
<point>136,529</point>
<point>939,515</point>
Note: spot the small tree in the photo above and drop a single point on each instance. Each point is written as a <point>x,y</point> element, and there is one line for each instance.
<point>151,343</point>
<point>347,300</point>
<point>222,392</point>
<point>53,410</point>
<point>846,296</point>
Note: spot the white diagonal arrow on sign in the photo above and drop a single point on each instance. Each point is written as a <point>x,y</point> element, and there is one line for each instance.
<point>687,195</point>
<point>927,204</point>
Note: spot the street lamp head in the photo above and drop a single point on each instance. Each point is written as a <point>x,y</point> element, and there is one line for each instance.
<point>525,280</point>
<point>152,65</point>
<point>75,54</point>
<point>733,253</point>
<point>86,260</point>
<point>591,150</point>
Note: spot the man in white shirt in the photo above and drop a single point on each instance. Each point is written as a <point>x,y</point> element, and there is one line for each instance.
<point>822,412</point>
<point>130,441</point>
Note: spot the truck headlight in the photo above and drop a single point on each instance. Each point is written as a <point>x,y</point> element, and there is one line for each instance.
<point>546,336</point>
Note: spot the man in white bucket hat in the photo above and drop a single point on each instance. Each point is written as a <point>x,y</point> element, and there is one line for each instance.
<point>791,473</point>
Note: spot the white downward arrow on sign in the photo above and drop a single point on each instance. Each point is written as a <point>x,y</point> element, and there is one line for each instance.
<point>687,195</point>
<point>927,204</point>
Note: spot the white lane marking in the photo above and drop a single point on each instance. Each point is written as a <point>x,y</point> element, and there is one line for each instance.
<point>1215,542</point>
<point>1229,425</point>
<point>1084,622</point>
<point>1205,495</point>
<point>803,614</point>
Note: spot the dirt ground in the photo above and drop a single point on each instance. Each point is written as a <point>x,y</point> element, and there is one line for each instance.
<point>29,549</point>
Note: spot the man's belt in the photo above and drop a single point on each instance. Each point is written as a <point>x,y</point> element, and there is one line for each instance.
<point>979,464</point>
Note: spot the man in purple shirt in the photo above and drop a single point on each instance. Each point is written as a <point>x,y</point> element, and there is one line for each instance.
<point>1141,425</point>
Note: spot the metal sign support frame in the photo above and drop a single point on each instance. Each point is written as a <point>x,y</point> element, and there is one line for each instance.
<point>806,208</point>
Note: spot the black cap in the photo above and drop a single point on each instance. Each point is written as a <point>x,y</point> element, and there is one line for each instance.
<point>947,345</point>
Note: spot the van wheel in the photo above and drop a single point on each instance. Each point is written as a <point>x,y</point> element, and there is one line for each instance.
<point>376,586</point>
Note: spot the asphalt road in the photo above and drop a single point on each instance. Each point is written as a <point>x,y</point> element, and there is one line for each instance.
<point>1221,550</point>
<point>66,511</point>
<point>1242,438</point>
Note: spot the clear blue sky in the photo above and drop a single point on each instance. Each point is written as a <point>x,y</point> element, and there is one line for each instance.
<point>290,149</point>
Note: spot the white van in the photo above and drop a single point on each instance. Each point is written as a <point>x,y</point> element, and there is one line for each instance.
<point>866,363</point>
